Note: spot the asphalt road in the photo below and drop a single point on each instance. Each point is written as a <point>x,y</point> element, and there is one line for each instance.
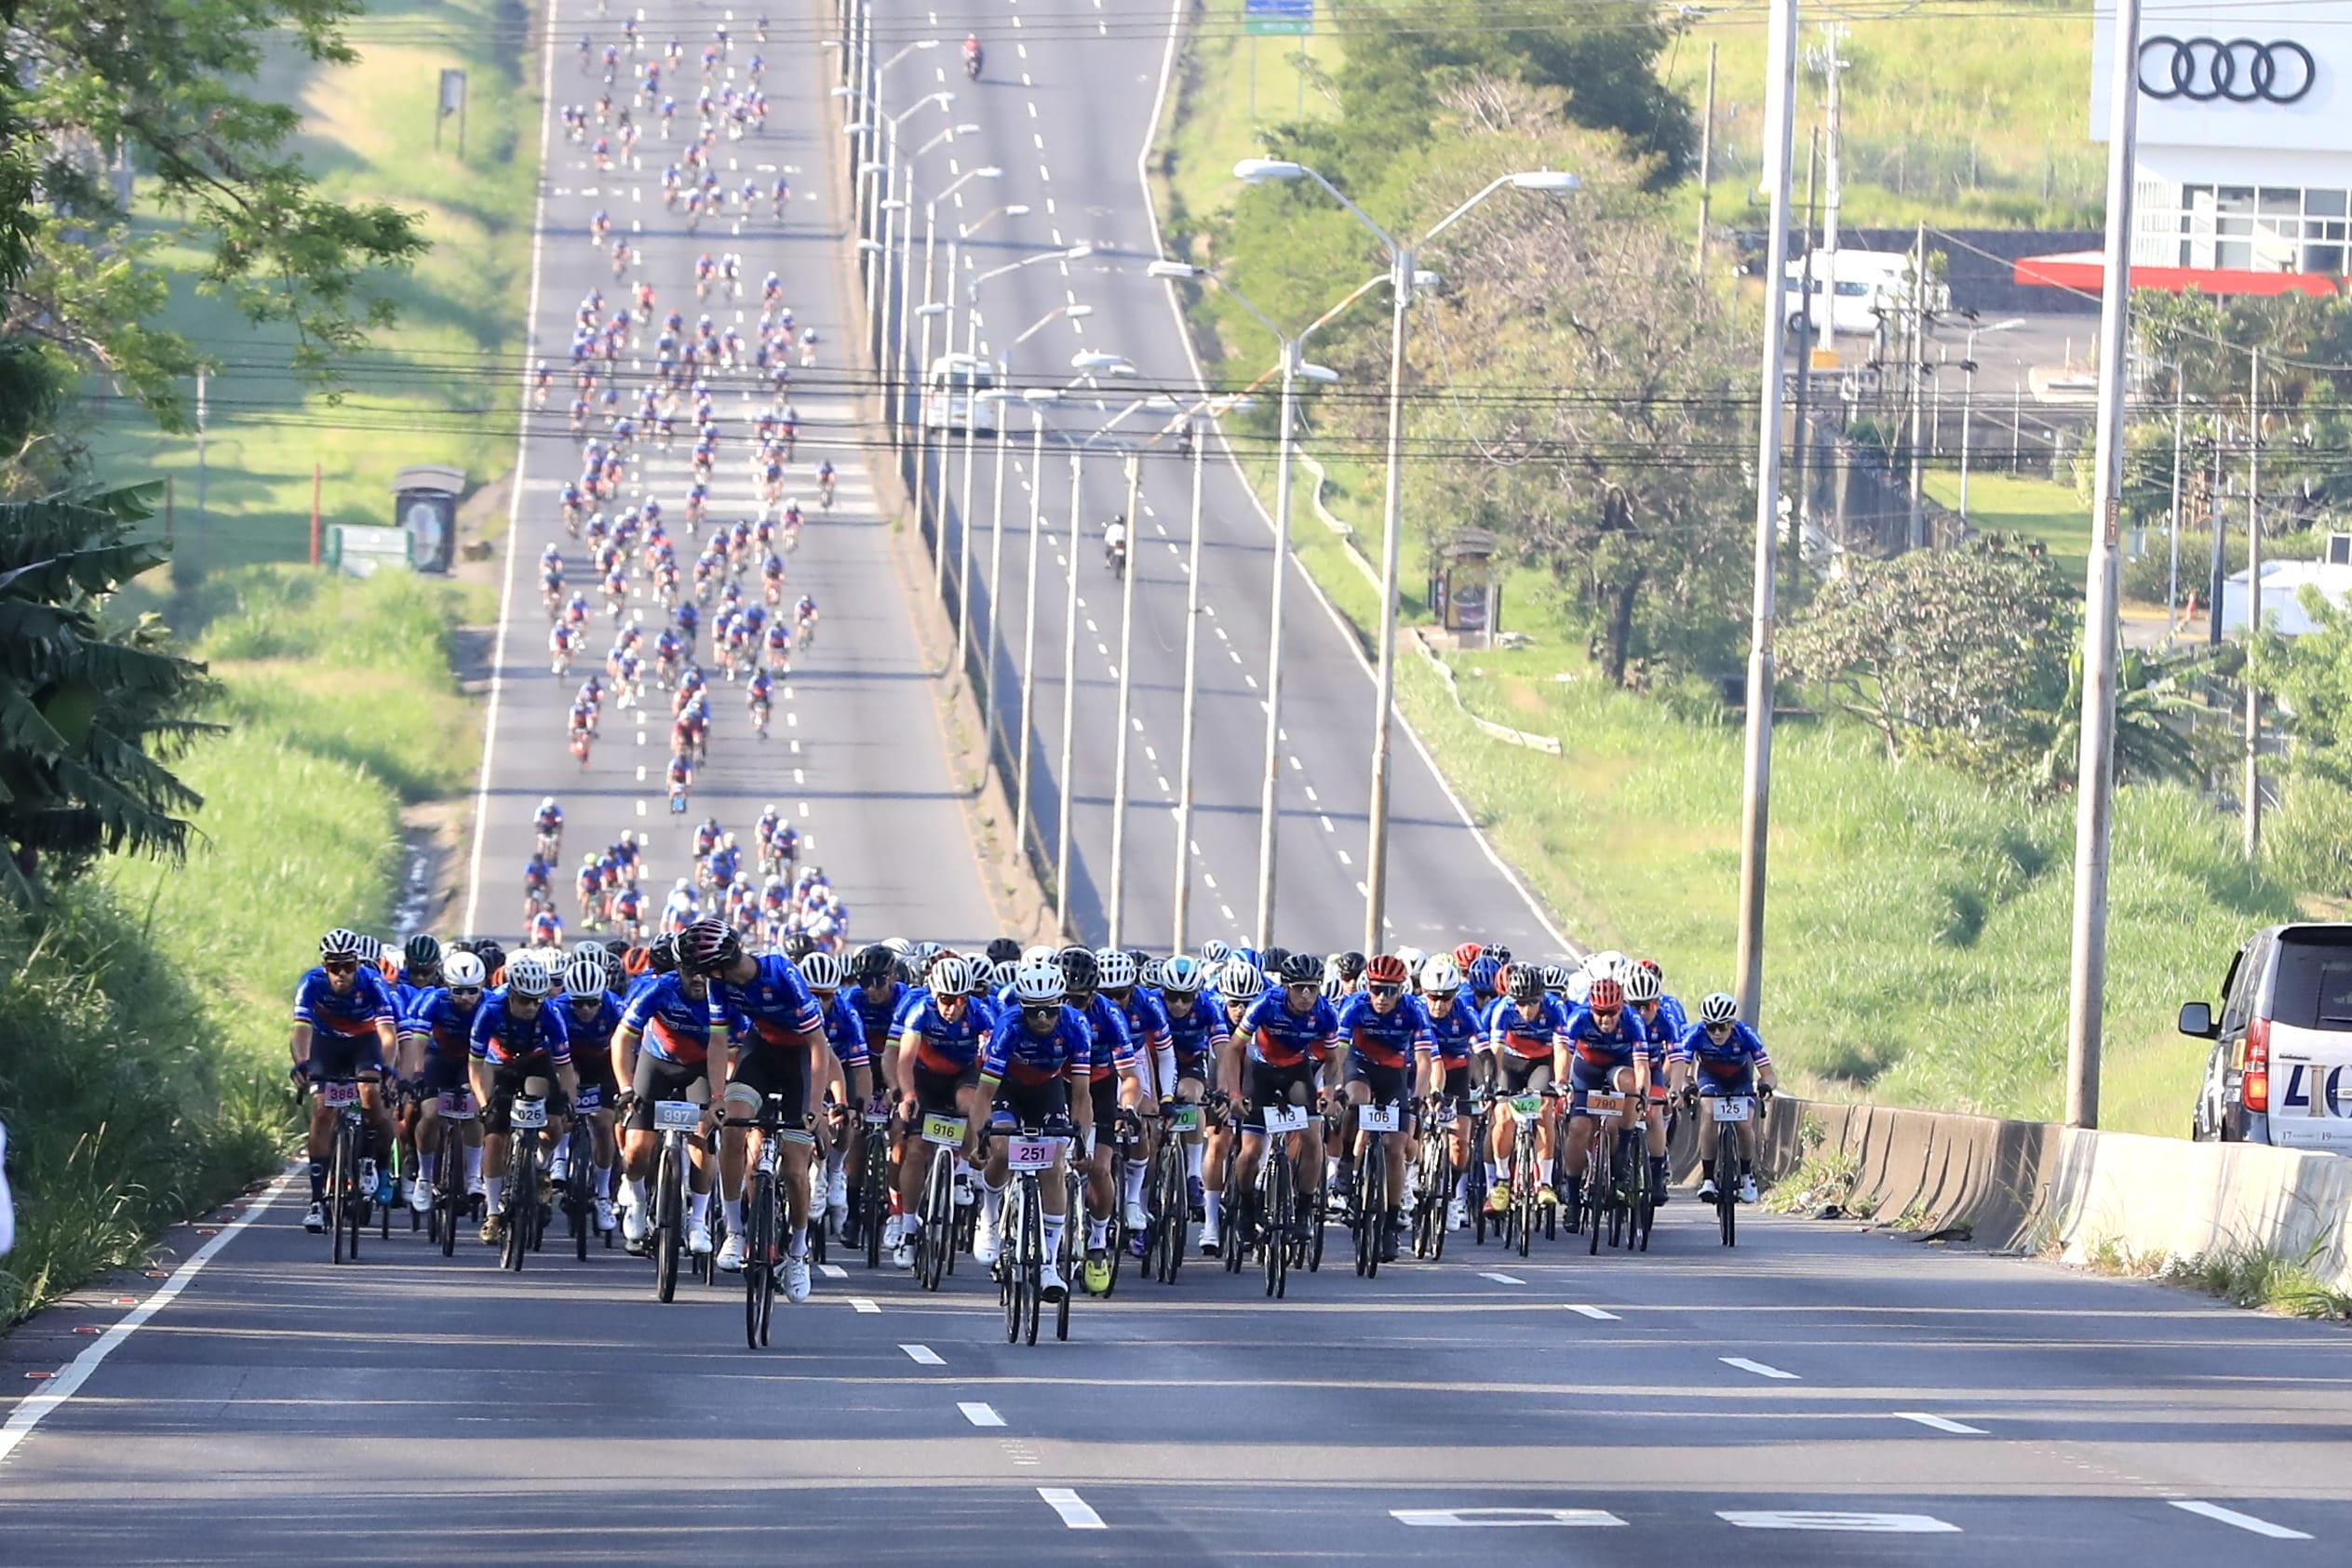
<point>1065,110</point>
<point>856,753</point>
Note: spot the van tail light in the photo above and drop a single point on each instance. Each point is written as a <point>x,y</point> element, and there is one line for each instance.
<point>2254,1087</point>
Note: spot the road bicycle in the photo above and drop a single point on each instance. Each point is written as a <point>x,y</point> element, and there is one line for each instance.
<point>935,1241</point>
<point>1528,1109</point>
<point>873,1181</point>
<point>1369,1219</point>
<point>1021,1267</point>
<point>1615,1177</point>
<point>1434,1180</point>
<point>764,1214</point>
<point>451,1202</point>
<point>1727,1112</point>
<point>346,1203</point>
<point>519,1209</point>
<point>1277,1201</point>
<point>676,1123</point>
<point>1167,1195</point>
<point>579,1182</point>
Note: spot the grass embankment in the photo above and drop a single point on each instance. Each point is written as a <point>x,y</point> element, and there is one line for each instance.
<point>441,386</point>
<point>142,1033</point>
<point>1944,118</point>
<point>1916,938</point>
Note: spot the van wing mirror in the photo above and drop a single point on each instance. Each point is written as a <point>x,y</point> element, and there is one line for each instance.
<point>2197,1019</point>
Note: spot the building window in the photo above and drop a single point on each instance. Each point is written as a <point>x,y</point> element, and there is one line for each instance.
<point>2236,228</point>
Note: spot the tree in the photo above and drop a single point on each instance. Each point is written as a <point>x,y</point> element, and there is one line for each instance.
<point>88,716</point>
<point>1955,652</point>
<point>2153,710</point>
<point>91,94</point>
<point>2311,679</point>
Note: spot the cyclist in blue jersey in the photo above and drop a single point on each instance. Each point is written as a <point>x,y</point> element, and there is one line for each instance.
<point>1112,1059</point>
<point>1034,1069</point>
<point>1454,1037</point>
<point>1603,1047</point>
<point>345,1025</point>
<point>516,1037</point>
<point>592,1014</point>
<point>940,1036</point>
<point>438,1034</point>
<point>1647,1001</point>
<point>1384,1027</point>
<point>662,1052</point>
<point>1199,1040</point>
<point>1152,1054</point>
<point>1288,1033</point>
<point>1722,1055</point>
<point>857,1074</point>
<point>1523,1032</point>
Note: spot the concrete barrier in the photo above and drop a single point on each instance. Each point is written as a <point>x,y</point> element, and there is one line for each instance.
<point>2035,1185</point>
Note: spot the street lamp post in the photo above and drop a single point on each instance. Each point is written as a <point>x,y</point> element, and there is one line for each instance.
<point>1403,280</point>
<point>1191,691</point>
<point>1968,398</point>
<point>1037,398</point>
<point>1088,364</point>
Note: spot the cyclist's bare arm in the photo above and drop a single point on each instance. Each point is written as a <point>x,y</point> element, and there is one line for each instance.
<point>299,1043</point>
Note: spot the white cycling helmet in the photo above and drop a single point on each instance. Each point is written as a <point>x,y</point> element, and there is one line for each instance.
<point>1608,963</point>
<point>1040,952</point>
<point>1114,970</point>
<point>1414,958</point>
<point>952,976</point>
<point>822,971</point>
<point>527,975</point>
<point>1241,981</point>
<point>1719,1008</point>
<point>586,975</point>
<point>1579,987</point>
<point>1438,977</point>
<point>1038,985</point>
<point>1641,986</point>
<point>462,971</point>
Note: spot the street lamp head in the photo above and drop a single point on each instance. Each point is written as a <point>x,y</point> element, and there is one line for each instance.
<point>1078,312</point>
<point>894,204</point>
<point>1172,270</point>
<point>1089,364</point>
<point>1036,394</point>
<point>935,308</point>
<point>1238,404</point>
<point>1554,179</point>
<point>926,43</point>
<point>1322,373</point>
<point>1019,209</point>
<point>870,167</point>
<point>841,92</point>
<point>991,172</point>
<point>1257,171</point>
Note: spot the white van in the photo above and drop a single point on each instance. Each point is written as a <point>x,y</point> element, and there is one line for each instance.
<point>948,401</point>
<point>1869,285</point>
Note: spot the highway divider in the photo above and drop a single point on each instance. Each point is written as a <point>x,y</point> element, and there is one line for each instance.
<point>2086,1197</point>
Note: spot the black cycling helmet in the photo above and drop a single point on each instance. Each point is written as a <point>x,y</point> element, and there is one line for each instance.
<point>1526,981</point>
<point>1078,970</point>
<point>1350,964</point>
<point>1142,957</point>
<point>1302,968</point>
<point>798,946</point>
<point>1274,959</point>
<point>493,957</point>
<point>618,951</point>
<point>1003,950</point>
<point>421,952</point>
<point>709,945</point>
<point>661,957</point>
<point>1499,953</point>
<point>874,964</point>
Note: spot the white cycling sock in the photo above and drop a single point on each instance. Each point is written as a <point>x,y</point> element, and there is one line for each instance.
<point>1097,1235</point>
<point>1053,1223</point>
<point>1130,1184</point>
<point>1461,1186</point>
<point>493,1188</point>
<point>908,1223</point>
<point>1192,1161</point>
<point>734,1210</point>
<point>1215,1203</point>
<point>473,1165</point>
<point>1494,1172</point>
<point>635,1187</point>
<point>798,1246</point>
<point>604,1183</point>
<point>991,1204</point>
<point>1543,1172</point>
<point>698,1209</point>
<point>833,1162</point>
<point>428,1166</point>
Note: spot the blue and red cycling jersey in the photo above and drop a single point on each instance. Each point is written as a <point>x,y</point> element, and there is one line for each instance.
<point>499,1036</point>
<point>775,1001</point>
<point>1199,1032</point>
<point>447,1028</point>
<point>1283,1038</point>
<point>845,1031</point>
<point>675,1028</point>
<point>1596,1047</point>
<point>1383,1039</point>
<point>1456,1036</point>
<point>593,1039</point>
<point>352,1015</point>
<point>1722,1065</point>
<point>1147,1021</point>
<point>1111,1046</point>
<point>1526,1032</point>
<point>876,1016</point>
<point>1013,1053</point>
<point>946,1047</point>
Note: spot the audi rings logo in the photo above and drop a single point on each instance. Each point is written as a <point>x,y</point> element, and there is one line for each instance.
<point>2240,69</point>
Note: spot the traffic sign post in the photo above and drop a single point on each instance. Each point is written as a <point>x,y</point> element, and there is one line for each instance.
<point>1286,17</point>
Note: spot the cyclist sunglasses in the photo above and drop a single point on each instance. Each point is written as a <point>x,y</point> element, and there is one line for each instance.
<point>340,966</point>
<point>1384,990</point>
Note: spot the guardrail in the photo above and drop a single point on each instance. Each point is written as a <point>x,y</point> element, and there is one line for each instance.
<point>2084,1194</point>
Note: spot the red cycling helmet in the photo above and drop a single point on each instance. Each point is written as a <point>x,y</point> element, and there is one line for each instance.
<point>1466,955</point>
<point>1607,996</point>
<point>1386,969</point>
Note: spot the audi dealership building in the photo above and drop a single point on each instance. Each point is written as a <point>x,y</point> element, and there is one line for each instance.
<point>2245,166</point>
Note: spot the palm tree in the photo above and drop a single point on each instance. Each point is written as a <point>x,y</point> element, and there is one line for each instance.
<point>90,715</point>
<point>2152,709</point>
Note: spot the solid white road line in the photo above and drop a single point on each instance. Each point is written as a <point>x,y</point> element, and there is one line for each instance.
<point>1072,1508</point>
<point>1502,1279</point>
<point>923,1355</point>
<point>1594,1312</point>
<point>980,1415</point>
<point>1757,1367</point>
<point>1941,1423</point>
<point>2210,1510</point>
<point>1504,1519</point>
<point>35,1409</point>
<point>1837,1522</point>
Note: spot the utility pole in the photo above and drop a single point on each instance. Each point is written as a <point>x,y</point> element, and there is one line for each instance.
<point>2094,785</point>
<point>1069,700</point>
<point>2254,604</point>
<point>1267,807</point>
<point>1029,634</point>
<point>1126,678</point>
<point>1833,169</point>
<point>202,377</point>
<point>1706,175</point>
<point>2218,568</point>
<point>1755,800</point>
<point>1192,690</point>
<point>1376,868</point>
<point>1915,373</point>
<point>2172,574</point>
<point>1800,489</point>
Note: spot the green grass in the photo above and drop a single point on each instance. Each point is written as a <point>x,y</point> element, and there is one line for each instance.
<point>441,386</point>
<point>142,1032</point>
<point>1955,119</point>
<point>2037,509</point>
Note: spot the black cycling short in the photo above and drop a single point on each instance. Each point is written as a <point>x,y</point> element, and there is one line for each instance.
<point>1271,1085</point>
<point>1386,1083</point>
<point>942,1093</point>
<point>1105,1091</point>
<point>345,1056</point>
<point>1524,1075</point>
<point>1033,1105</point>
<point>781,1071</point>
<point>507,1081</point>
<point>657,1078</point>
<point>1457,1089</point>
<point>1195,1066</point>
<point>444,1072</point>
<point>598,1088</point>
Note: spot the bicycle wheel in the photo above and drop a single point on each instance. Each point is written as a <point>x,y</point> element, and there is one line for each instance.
<point>758,1222</point>
<point>449,1195</point>
<point>873,1196</point>
<point>334,1192</point>
<point>579,1207</point>
<point>669,1234</point>
<point>1523,1194</point>
<point>1176,1209</point>
<point>937,1237</point>
<point>1318,1211</point>
<point>1727,1183</point>
<point>1241,1215</point>
<point>1278,1225</point>
<point>1597,1193</point>
<point>1033,1261</point>
<point>522,1197</point>
<point>1362,1233</point>
<point>1372,1196</point>
<point>1068,1262</point>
